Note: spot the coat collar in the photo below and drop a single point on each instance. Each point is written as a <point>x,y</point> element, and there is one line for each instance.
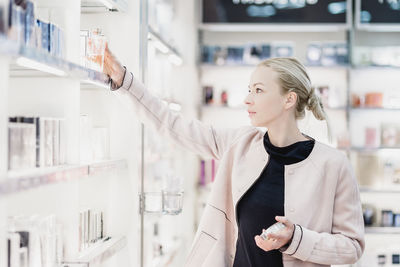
<point>255,162</point>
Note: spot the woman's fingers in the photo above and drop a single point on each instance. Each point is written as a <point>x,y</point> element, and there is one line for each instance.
<point>266,245</point>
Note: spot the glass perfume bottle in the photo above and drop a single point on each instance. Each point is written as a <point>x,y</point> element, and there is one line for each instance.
<point>276,227</point>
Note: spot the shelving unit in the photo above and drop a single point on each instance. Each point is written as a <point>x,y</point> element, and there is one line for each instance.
<point>99,253</point>
<point>100,6</point>
<point>382,230</point>
<point>30,62</point>
<point>19,181</point>
<point>35,83</point>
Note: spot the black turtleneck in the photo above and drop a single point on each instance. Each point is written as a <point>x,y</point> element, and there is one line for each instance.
<point>263,201</point>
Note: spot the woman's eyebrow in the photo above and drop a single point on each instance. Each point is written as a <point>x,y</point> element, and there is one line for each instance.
<point>255,84</point>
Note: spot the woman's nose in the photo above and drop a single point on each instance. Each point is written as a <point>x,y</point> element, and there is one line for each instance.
<point>247,100</point>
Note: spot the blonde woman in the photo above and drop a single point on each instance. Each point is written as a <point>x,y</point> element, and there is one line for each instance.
<point>280,175</point>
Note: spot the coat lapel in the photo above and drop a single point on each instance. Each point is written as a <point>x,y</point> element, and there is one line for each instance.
<point>250,169</point>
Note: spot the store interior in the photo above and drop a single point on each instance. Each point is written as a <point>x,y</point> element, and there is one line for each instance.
<point>83,182</point>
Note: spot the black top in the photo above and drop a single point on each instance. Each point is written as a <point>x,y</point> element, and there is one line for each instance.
<point>263,201</point>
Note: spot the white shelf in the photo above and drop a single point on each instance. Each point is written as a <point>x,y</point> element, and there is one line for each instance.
<point>383,68</point>
<point>168,257</point>
<point>382,230</point>
<point>101,6</point>
<point>153,35</point>
<point>18,181</point>
<point>99,252</point>
<point>372,149</point>
<point>35,63</point>
<point>217,107</point>
<point>251,66</point>
<point>106,166</point>
<point>365,189</point>
<point>276,27</point>
<point>374,109</point>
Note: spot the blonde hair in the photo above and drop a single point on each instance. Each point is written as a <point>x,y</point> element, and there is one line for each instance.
<point>293,77</point>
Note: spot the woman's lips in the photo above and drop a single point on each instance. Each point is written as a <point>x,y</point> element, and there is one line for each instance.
<point>251,113</point>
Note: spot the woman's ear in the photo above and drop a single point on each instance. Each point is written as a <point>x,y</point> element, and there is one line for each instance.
<point>291,100</point>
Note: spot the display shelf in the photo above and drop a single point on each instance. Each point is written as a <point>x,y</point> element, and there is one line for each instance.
<point>375,67</point>
<point>205,107</point>
<point>99,252</point>
<point>289,27</point>
<point>106,166</point>
<point>367,189</point>
<point>208,65</point>
<point>382,230</point>
<point>31,62</point>
<point>101,6</point>
<point>18,181</point>
<point>374,109</point>
<point>164,46</point>
<point>370,149</point>
<point>168,257</point>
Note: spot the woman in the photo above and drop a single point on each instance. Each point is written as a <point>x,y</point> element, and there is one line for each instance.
<point>264,177</point>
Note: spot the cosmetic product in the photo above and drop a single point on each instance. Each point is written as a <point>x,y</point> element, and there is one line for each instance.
<point>208,93</point>
<point>45,31</point>
<point>396,220</point>
<point>56,142</point>
<point>49,142</point>
<point>30,35</point>
<point>314,54</point>
<point>342,54</point>
<point>371,137</point>
<point>14,146</point>
<point>234,55</point>
<point>328,57</point>
<point>84,35</point>
<point>387,218</point>
<point>95,49</point>
<point>13,247</point>
<point>265,51</point>
<point>202,173</point>
<point>4,16</point>
<point>16,30</point>
<point>276,227</point>
<point>282,49</point>
<point>374,99</point>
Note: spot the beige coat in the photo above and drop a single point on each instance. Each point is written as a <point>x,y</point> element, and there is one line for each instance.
<point>321,192</point>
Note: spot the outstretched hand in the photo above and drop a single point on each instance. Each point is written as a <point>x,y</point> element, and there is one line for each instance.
<point>279,239</point>
<point>112,67</point>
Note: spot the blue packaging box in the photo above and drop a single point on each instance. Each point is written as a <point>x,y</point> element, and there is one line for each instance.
<point>45,40</point>
<point>30,37</point>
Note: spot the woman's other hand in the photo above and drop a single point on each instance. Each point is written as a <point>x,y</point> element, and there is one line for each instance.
<point>113,68</point>
<point>279,239</point>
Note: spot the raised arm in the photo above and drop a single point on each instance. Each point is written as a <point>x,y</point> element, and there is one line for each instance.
<point>200,138</point>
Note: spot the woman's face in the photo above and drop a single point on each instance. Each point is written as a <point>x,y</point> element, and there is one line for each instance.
<point>265,103</point>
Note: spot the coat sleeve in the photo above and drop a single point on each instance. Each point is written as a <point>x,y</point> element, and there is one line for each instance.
<point>345,244</point>
<point>193,135</point>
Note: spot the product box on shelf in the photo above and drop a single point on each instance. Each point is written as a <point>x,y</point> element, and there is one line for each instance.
<point>16,30</point>
<point>327,54</point>
<point>91,228</point>
<point>36,142</point>
<point>4,8</point>
<point>34,241</point>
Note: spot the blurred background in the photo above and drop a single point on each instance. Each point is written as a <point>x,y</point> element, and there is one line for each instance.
<point>84,183</point>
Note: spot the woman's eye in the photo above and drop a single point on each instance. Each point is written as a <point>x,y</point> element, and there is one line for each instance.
<point>258,90</point>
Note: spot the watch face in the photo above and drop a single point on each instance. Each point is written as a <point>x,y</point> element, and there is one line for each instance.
<point>269,11</point>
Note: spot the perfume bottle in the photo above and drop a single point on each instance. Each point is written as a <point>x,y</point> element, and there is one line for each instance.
<point>276,227</point>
